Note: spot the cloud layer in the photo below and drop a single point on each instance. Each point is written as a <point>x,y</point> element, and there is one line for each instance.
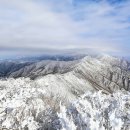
<point>55,24</point>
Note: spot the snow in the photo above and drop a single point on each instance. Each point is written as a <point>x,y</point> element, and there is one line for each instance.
<point>19,98</point>
<point>25,104</point>
<point>98,112</point>
<point>68,101</point>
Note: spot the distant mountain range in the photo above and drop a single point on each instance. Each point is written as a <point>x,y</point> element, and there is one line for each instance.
<point>78,74</point>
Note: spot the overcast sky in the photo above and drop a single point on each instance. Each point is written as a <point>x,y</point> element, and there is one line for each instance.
<point>28,26</point>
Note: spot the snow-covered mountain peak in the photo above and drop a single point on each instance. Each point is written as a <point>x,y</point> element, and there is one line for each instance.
<point>104,58</point>
<point>108,58</point>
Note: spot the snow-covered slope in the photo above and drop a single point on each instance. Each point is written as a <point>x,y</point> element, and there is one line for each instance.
<point>24,105</point>
<point>102,73</point>
<point>8,67</point>
<point>97,111</point>
<point>106,72</point>
<point>73,78</point>
<point>32,104</point>
<point>43,68</point>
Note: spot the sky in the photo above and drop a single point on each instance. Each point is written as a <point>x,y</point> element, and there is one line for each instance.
<point>33,26</point>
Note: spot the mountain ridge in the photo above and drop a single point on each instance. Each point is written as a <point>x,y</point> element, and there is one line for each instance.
<point>93,87</point>
<point>103,72</point>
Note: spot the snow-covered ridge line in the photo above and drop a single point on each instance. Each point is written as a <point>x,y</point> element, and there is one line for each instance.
<point>105,73</point>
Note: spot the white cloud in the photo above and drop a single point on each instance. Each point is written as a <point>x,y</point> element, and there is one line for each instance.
<point>46,24</point>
